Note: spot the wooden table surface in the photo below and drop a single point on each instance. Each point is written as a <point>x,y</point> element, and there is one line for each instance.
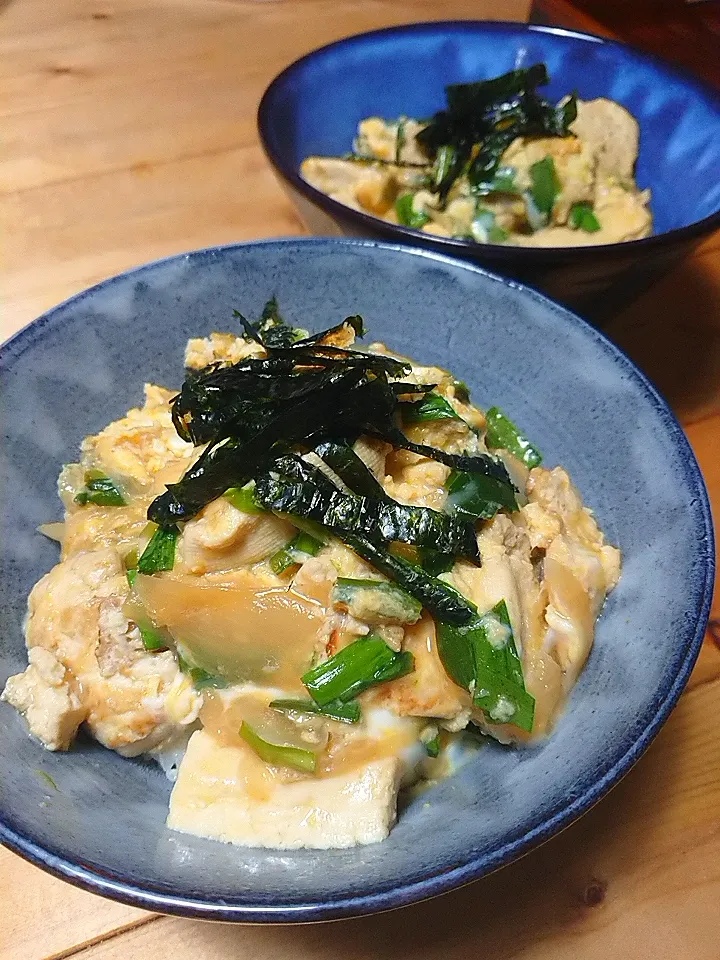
<point>129,134</point>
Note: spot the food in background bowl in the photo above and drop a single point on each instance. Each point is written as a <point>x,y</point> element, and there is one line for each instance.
<point>313,106</point>
<point>499,164</point>
<point>346,565</point>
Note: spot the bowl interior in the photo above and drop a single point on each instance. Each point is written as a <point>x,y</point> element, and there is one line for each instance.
<point>314,106</point>
<point>578,397</point>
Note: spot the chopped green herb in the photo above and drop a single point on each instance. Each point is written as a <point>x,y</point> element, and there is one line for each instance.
<point>353,669</point>
<point>297,551</point>
<point>47,778</point>
<point>474,496</point>
<point>462,391</point>
<point>277,754</point>
<point>101,491</point>
<point>503,434</point>
<point>503,182</point>
<point>545,185</point>
<point>536,219</point>
<point>500,688</point>
<point>438,598</point>
<point>407,214</point>
<point>159,554</point>
<point>431,407</point>
<point>482,119</point>
<point>336,710</point>
<point>152,639</point>
<point>456,652</point>
<point>432,747</point>
<point>243,498</point>
<point>484,229</point>
<point>200,678</point>
<point>497,235</point>
<point>376,601</point>
<point>582,217</point>
<point>482,657</point>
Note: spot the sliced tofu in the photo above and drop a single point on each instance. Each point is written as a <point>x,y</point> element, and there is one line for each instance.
<point>378,138</point>
<point>226,793</point>
<point>416,480</point>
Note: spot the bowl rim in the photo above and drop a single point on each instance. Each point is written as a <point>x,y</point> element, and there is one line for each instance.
<point>531,256</point>
<point>115,886</point>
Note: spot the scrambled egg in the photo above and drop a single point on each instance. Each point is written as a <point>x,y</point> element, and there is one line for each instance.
<point>88,662</point>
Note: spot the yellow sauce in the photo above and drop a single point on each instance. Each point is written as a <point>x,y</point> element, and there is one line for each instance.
<point>340,748</point>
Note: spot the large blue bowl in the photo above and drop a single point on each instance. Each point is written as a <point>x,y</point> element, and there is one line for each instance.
<point>313,107</point>
<point>584,403</point>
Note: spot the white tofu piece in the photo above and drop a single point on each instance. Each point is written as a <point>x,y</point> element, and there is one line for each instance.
<point>225,793</point>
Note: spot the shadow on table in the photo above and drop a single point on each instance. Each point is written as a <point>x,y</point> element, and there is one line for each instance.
<point>673,334</point>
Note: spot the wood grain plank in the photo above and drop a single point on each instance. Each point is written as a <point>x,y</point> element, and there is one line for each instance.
<point>639,877</point>
<point>42,916</point>
<point>162,210</point>
<point>141,121</point>
<point>673,333</point>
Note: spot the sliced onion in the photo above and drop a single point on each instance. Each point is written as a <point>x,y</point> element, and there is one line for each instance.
<point>54,531</point>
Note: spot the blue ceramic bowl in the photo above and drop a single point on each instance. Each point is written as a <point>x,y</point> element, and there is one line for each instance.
<point>313,107</point>
<point>584,403</point>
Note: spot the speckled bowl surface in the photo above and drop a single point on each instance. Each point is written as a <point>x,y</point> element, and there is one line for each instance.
<point>314,106</point>
<point>581,400</point>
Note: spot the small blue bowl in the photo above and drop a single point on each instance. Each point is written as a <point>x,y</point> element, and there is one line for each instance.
<point>313,107</point>
<point>583,402</point>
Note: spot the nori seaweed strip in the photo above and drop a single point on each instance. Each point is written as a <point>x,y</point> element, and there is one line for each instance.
<point>212,415</point>
<point>477,463</point>
<point>356,322</point>
<point>350,468</point>
<point>482,119</point>
<point>438,598</point>
<point>401,389</point>
<point>338,407</point>
<point>378,520</point>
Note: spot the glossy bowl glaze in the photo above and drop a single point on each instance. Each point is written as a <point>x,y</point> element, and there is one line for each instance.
<point>313,107</point>
<point>579,398</point>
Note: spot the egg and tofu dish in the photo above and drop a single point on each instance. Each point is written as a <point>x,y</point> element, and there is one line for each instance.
<point>299,580</point>
<point>498,165</point>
